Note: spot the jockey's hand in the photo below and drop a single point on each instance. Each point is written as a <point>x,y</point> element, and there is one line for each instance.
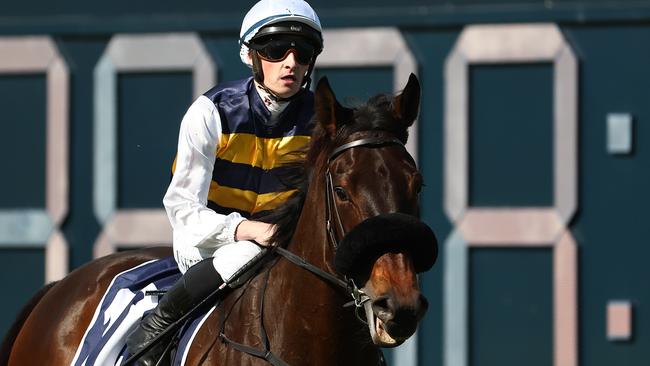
<point>259,232</point>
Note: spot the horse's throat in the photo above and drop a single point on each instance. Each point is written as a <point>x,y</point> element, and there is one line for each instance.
<point>309,299</point>
<point>310,237</point>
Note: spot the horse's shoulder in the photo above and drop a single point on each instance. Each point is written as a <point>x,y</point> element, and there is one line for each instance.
<point>242,310</point>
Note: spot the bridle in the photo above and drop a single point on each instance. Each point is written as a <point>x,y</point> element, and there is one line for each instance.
<point>332,215</point>
<point>331,211</point>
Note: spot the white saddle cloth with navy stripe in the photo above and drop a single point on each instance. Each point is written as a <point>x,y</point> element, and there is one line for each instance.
<point>121,309</point>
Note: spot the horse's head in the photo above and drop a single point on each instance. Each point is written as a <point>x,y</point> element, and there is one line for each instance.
<point>372,186</point>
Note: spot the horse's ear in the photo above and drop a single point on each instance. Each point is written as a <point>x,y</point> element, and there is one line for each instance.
<point>407,105</point>
<point>329,113</point>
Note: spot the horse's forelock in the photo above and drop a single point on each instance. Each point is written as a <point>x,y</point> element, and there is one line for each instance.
<point>375,115</point>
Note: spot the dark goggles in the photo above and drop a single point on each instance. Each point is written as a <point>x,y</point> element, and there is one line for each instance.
<point>277,49</point>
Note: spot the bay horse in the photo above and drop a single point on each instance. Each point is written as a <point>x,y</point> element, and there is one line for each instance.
<point>354,221</point>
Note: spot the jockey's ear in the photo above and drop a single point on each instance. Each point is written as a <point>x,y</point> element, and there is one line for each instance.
<point>329,112</point>
<point>407,105</point>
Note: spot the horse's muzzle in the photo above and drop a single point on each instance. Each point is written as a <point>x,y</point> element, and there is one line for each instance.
<point>400,321</point>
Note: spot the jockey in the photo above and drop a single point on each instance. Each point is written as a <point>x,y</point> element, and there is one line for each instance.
<point>232,141</point>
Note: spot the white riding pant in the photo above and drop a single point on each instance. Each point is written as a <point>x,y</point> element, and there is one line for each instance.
<point>227,259</point>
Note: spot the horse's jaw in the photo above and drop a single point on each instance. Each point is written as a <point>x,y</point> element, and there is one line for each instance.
<point>378,333</point>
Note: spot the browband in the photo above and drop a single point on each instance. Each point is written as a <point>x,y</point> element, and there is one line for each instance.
<point>369,141</point>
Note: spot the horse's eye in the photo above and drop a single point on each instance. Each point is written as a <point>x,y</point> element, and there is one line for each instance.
<point>341,194</point>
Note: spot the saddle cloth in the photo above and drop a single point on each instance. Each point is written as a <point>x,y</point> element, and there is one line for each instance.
<point>120,311</point>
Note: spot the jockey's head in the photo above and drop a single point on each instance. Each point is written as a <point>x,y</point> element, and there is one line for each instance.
<point>280,40</point>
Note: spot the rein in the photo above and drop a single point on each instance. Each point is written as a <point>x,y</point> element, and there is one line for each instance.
<point>359,297</point>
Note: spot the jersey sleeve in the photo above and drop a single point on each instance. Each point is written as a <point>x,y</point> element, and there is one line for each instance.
<point>193,223</point>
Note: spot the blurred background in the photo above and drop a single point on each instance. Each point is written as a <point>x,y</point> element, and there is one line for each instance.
<point>531,138</point>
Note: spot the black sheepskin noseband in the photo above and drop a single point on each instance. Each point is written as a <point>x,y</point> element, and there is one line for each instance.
<point>386,233</point>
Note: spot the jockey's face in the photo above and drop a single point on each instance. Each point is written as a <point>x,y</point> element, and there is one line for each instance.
<point>282,70</point>
<point>284,77</point>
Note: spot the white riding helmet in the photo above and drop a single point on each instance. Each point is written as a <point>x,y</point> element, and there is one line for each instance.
<point>267,12</point>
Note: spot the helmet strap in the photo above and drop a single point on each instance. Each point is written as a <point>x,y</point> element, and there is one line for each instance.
<point>307,82</point>
<point>258,73</point>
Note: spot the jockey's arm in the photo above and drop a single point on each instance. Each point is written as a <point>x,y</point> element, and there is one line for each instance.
<point>194,224</point>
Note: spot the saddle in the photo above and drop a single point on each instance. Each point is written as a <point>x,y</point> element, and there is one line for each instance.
<point>130,296</point>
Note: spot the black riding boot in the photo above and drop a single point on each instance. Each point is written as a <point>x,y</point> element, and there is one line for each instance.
<point>196,284</point>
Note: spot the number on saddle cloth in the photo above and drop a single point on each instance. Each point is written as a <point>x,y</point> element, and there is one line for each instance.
<point>158,293</point>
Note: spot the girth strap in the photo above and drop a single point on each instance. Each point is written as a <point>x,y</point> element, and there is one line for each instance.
<point>264,353</point>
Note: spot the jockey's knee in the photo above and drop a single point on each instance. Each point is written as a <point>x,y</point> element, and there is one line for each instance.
<point>228,259</point>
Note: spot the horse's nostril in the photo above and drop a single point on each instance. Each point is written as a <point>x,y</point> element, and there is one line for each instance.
<point>399,320</point>
<point>383,308</point>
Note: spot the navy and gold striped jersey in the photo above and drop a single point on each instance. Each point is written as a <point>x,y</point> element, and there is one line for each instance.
<point>253,149</point>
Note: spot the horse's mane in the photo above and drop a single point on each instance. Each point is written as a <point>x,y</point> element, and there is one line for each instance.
<point>374,115</point>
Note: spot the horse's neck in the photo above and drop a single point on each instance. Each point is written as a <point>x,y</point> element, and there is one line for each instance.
<point>308,313</point>
<point>310,238</point>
